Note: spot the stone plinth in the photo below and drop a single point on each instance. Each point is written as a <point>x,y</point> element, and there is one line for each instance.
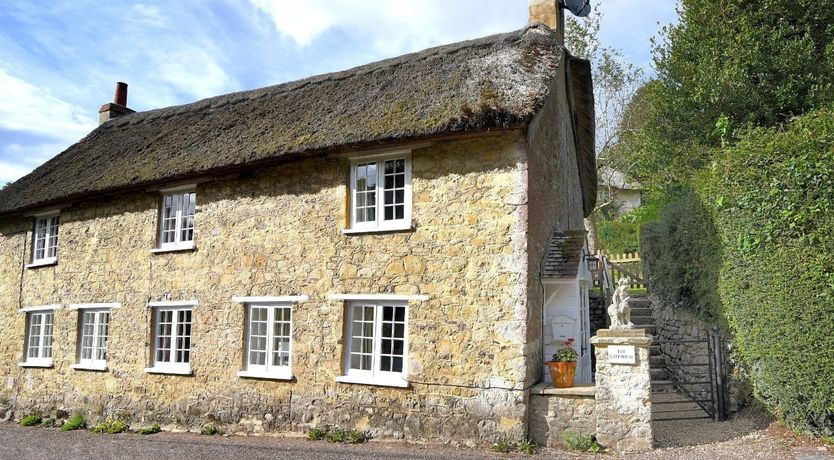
<point>623,392</point>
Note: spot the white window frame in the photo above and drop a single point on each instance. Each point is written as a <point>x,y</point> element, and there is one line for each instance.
<point>178,244</point>
<point>374,376</point>
<point>267,370</point>
<point>52,233</point>
<point>380,224</point>
<point>97,310</point>
<point>171,366</point>
<point>40,360</point>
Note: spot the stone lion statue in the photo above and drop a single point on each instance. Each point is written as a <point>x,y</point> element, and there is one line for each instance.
<point>619,310</point>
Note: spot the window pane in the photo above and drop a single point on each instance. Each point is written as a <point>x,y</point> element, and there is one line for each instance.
<point>392,341</point>
<point>47,336</point>
<point>365,206</point>
<point>101,339</point>
<point>87,330</point>
<point>281,336</point>
<point>394,189</point>
<point>35,321</point>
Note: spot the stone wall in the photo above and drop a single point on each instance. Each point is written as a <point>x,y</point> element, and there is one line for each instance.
<point>554,203</point>
<point>277,231</point>
<point>555,411</point>
<point>679,324</point>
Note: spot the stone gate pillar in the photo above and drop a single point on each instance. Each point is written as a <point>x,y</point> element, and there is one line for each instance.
<point>623,390</point>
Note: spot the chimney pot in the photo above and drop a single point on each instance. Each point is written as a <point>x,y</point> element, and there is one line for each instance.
<point>121,94</point>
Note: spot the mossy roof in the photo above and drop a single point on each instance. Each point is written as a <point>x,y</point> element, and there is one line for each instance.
<point>499,81</point>
<point>564,253</point>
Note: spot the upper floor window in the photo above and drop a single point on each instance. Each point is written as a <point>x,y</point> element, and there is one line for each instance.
<point>45,241</point>
<point>381,193</point>
<point>176,220</point>
<point>39,338</point>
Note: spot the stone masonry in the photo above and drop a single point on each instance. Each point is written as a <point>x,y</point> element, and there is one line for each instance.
<point>483,208</point>
<point>623,393</point>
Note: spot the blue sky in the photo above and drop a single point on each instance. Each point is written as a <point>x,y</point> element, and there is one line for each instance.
<point>59,60</point>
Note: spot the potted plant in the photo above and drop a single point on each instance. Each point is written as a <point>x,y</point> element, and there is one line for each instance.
<point>563,365</point>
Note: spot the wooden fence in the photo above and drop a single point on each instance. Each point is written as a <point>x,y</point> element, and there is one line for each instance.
<point>626,265</point>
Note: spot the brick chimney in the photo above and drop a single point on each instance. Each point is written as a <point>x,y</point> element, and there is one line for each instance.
<point>117,107</point>
<point>550,14</point>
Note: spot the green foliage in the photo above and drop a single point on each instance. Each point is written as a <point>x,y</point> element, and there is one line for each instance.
<point>617,236</point>
<point>565,353</point>
<point>682,256</point>
<point>210,429</point>
<point>772,197</point>
<point>336,435</point>
<point>111,427</point>
<point>753,244</point>
<point>315,434</point>
<point>31,420</point>
<point>48,423</point>
<point>147,430</point>
<point>582,442</point>
<point>527,447</point>
<point>76,422</point>
<point>503,446</point>
<point>356,437</point>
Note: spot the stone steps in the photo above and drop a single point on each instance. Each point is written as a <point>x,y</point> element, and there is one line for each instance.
<point>640,321</point>
<point>640,302</point>
<point>641,311</point>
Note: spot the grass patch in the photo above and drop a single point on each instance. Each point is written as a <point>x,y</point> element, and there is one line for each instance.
<point>31,420</point>
<point>111,427</point>
<point>48,423</point>
<point>315,434</point>
<point>527,447</point>
<point>76,422</point>
<point>153,429</point>
<point>210,430</point>
<point>582,442</point>
<point>335,435</point>
<point>356,437</point>
<point>503,446</point>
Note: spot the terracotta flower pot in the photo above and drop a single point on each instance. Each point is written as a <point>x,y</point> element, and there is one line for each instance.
<point>562,373</point>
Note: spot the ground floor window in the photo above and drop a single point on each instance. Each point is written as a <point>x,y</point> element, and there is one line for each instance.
<point>172,340</point>
<point>92,349</point>
<point>269,340</point>
<point>39,338</point>
<point>376,345</point>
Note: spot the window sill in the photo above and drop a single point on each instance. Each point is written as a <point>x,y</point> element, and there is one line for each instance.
<point>393,229</point>
<point>168,370</point>
<point>43,263</point>
<point>397,382</point>
<point>174,249</point>
<point>89,367</point>
<point>47,365</point>
<point>282,375</point>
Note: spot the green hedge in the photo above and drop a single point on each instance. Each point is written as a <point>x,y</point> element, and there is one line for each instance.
<point>754,244</point>
<point>681,256</point>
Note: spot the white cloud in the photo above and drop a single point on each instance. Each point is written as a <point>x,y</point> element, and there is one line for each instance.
<point>394,25</point>
<point>26,108</point>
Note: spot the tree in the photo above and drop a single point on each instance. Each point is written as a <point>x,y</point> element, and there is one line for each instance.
<point>615,82</point>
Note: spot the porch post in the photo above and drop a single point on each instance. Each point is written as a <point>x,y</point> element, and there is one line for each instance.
<point>623,390</point>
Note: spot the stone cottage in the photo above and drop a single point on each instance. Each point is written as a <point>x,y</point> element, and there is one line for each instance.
<point>361,249</point>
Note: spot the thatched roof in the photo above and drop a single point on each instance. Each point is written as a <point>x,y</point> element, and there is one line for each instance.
<point>494,82</point>
<point>582,107</point>
<point>564,253</point>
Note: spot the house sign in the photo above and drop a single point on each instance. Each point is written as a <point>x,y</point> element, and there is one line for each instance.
<point>621,354</point>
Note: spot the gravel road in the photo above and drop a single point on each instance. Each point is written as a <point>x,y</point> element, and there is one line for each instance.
<point>745,437</point>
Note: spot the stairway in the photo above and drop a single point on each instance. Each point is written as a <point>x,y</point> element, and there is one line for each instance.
<point>641,316</point>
